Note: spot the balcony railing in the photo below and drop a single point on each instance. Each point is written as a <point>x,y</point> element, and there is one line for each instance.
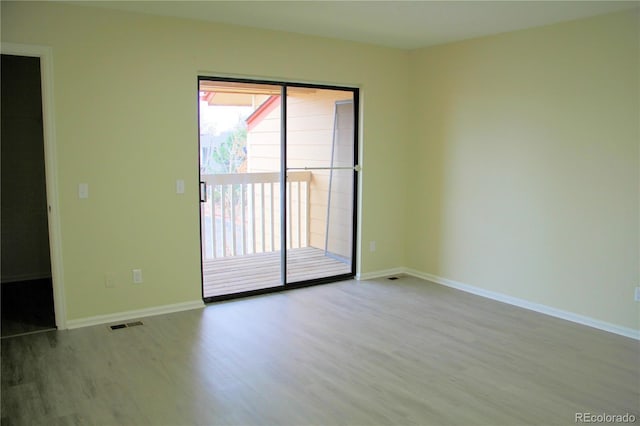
<point>241,214</point>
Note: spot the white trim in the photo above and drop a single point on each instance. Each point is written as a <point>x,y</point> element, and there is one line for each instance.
<point>45,54</point>
<point>536,307</point>
<point>138,313</point>
<point>379,274</point>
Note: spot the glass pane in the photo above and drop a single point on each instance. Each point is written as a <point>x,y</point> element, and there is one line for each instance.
<point>240,163</point>
<point>320,183</point>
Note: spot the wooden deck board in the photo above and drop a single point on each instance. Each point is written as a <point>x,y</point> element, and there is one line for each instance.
<point>258,271</point>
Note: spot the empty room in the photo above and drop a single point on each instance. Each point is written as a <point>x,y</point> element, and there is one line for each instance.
<point>320,213</point>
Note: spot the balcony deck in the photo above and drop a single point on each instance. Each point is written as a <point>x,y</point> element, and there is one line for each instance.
<point>229,275</point>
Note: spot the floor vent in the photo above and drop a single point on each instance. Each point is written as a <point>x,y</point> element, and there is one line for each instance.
<point>392,278</point>
<point>127,325</point>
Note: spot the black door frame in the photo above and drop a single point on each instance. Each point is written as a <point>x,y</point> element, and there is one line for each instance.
<point>283,170</point>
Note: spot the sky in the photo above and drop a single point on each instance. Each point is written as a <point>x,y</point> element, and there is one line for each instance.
<point>217,119</point>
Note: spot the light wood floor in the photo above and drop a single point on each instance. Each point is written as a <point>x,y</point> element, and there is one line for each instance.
<point>352,353</point>
<point>236,274</point>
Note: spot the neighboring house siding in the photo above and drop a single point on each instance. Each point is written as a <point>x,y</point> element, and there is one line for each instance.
<point>310,120</point>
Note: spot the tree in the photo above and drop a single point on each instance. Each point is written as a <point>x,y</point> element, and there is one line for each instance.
<point>229,155</point>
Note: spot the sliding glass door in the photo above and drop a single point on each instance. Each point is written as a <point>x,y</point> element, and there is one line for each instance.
<point>320,149</point>
<point>278,185</point>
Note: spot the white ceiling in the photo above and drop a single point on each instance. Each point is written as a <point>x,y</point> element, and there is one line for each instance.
<point>401,24</point>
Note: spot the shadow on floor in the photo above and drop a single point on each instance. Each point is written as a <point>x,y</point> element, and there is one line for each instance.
<point>27,306</point>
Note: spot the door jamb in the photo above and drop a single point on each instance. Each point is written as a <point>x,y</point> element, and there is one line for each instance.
<point>45,53</point>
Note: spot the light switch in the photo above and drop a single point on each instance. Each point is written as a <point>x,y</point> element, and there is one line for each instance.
<point>83,190</point>
<point>180,186</point>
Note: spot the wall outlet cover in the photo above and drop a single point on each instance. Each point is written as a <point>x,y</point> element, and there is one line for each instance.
<point>83,190</point>
<point>109,280</point>
<point>137,276</point>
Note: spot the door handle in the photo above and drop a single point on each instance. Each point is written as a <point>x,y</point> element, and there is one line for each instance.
<point>203,192</point>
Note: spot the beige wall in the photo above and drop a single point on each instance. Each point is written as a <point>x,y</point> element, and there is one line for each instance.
<point>525,165</point>
<point>126,124</point>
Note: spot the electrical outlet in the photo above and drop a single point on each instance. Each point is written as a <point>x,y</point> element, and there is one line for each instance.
<point>372,246</point>
<point>137,276</point>
<point>109,280</point>
<point>637,295</point>
<point>83,190</point>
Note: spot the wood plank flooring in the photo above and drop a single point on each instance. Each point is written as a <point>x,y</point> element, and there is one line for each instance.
<point>230,275</point>
<point>404,352</point>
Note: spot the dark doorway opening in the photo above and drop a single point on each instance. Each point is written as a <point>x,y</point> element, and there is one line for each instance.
<point>26,284</point>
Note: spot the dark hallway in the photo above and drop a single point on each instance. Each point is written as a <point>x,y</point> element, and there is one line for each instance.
<point>27,300</point>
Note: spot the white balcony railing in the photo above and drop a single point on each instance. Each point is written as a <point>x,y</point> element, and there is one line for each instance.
<point>241,214</point>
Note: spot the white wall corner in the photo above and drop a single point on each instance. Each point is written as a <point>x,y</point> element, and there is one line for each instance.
<point>536,307</point>
<point>135,314</point>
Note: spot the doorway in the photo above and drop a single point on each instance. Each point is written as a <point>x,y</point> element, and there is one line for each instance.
<point>278,167</point>
<point>26,279</point>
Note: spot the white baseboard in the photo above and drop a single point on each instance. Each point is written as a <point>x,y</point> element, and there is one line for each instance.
<point>379,274</point>
<point>139,313</point>
<point>543,309</point>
